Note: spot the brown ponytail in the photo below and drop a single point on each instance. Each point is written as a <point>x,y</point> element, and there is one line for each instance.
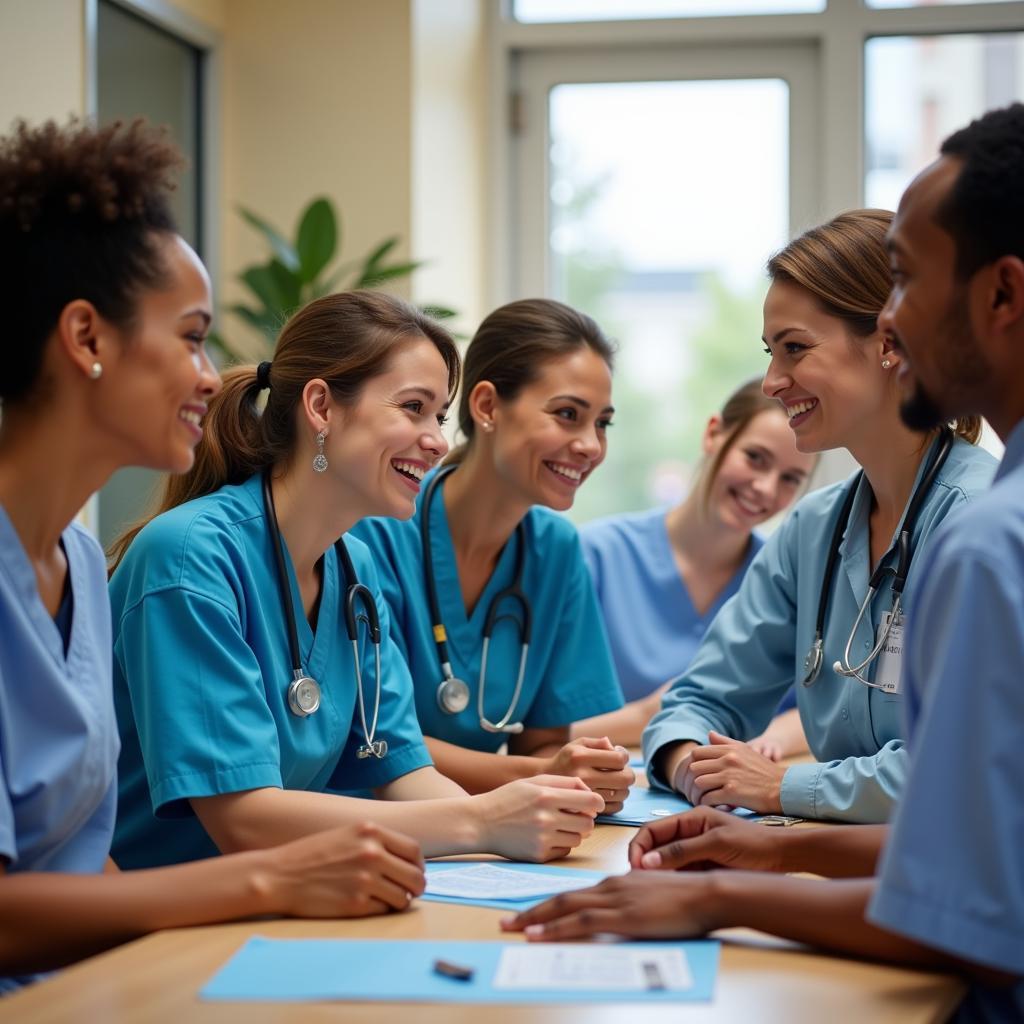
<point>345,339</point>
<point>844,264</point>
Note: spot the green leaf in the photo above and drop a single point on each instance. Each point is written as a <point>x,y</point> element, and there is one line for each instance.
<point>321,288</point>
<point>289,286</point>
<point>375,276</point>
<point>380,252</point>
<point>438,312</point>
<point>317,239</point>
<point>263,320</point>
<point>280,246</point>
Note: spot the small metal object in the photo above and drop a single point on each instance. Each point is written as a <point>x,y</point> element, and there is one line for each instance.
<point>779,820</point>
<point>457,972</point>
<point>303,694</point>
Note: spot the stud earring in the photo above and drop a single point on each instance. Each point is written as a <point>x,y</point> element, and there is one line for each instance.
<point>487,425</point>
<point>96,371</point>
<point>886,363</point>
<point>320,460</point>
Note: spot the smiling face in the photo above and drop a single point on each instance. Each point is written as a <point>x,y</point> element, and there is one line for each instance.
<point>760,474</point>
<point>547,440</point>
<point>379,449</point>
<point>831,383</point>
<point>928,312</point>
<point>157,377</point>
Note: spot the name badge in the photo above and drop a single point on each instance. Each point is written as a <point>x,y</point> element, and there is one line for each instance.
<point>890,658</point>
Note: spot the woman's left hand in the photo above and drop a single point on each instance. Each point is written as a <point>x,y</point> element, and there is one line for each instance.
<point>641,905</point>
<point>729,773</point>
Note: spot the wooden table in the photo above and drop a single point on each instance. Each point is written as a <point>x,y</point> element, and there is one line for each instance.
<point>761,980</point>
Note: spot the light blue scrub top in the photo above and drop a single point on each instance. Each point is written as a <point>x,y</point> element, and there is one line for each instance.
<point>952,875</point>
<point>653,628</point>
<point>201,674</point>
<point>58,738</point>
<point>569,673</point>
<point>756,647</point>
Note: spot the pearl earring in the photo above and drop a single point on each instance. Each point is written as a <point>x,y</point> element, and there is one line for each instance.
<point>96,371</point>
<point>320,460</point>
<point>886,364</point>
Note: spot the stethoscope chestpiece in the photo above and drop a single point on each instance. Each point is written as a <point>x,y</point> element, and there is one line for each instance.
<point>812,663</point>
<point>303,695</point>
<point>453,696</point>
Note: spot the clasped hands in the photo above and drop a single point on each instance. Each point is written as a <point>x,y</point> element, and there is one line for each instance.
<point>729,773</point>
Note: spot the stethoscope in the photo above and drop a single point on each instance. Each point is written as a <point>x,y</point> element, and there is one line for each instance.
<point>843,667</point>
<point>303,690</point>
<point>453,693</point>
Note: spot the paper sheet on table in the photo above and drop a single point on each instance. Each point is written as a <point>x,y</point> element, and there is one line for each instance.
<point>549,880</point>
<point>380,971</point>
<point>598,968</point>
<point>646,805</point>
<point>496,882</point>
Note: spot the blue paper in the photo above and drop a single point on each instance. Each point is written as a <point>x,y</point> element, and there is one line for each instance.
<point>512,906</point>
<point>646,805</point>
<point>370,970</point>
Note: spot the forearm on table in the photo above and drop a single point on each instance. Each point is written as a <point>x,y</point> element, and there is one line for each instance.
<point>848,851</point>
<point>788,731</point>
<point>259,818</point>
<point>669,758</point>
<point>623,727</point>
<point>478,771</point>
<point>49,920</point>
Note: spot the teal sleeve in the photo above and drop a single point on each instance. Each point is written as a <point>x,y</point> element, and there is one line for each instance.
<point>744,664</point>
<point>198,699</point>
<point>579,680</point>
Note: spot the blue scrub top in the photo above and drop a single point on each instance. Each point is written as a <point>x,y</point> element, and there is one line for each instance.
<point>201,674</point>
<point>755,650</point>
<point>653,628</point>
<point>58,739</point>
<point>569,673</point>
<point>952,875</point>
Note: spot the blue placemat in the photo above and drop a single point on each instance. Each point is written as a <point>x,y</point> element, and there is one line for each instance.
<point>369,970</point>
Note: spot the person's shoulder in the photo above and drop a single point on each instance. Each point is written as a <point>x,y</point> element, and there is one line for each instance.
<point>622,526</point>
<point>968,470</point>
<point>820,504</point>
<point>550,531</point>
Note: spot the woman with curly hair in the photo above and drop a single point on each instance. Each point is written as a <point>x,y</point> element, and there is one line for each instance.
<point>107,312</point>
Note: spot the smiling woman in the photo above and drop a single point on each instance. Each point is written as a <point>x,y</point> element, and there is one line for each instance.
<point>835,372</point>
<point>491,602</point>
<point>248,691</point>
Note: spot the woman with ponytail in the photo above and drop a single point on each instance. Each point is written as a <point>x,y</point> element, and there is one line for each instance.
<point>227,744</point>
<point>834,371</point>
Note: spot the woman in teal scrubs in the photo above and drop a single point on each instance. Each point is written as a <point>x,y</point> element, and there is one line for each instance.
<point>107,310</point>
<point>535,411</point>
<point>236,733</point>
<point>834,371</point>
<point>662,575</point>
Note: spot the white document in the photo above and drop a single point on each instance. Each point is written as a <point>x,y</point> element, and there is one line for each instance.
<point>593,968</point>
<point>493,882</point>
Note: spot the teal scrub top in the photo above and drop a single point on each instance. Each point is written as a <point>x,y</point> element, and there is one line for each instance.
<point>201,673</point>
<point>952,875</point>
<point>569,672</point>
<point>755,650</point>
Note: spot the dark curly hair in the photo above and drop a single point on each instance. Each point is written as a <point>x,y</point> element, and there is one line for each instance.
<point>984,211</point>
<point>80,209</point>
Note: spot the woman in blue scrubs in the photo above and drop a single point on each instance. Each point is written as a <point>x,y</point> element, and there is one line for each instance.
<point>834,372</point>
<point>662,575</point>
<point>237,735</point>
<point>535,410</point>
<point>107,310</point>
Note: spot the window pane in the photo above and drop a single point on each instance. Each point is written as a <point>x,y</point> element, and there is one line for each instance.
<point>919,89</point>
<point>666,199</point>
<point>928,3</point>
<point>619,10</point>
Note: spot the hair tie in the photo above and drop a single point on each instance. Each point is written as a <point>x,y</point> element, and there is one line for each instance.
<point>263,375</point>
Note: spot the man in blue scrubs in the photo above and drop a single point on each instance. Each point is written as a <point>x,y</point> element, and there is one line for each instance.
<point>949,889</point>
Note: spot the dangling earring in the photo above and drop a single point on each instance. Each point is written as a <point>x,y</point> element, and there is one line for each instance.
<point>96,371</point>
<point>320,460</point>
<point>886,364</point>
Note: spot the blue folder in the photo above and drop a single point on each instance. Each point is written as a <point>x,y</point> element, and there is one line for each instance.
<point>370,970</point>
<point>646,805</point>
<point>512,906</point>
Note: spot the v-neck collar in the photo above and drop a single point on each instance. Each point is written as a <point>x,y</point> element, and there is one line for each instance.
<point>459,625</point>
<point>15,561</point>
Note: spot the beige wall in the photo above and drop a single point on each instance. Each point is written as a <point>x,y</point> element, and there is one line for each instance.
<point>42,60</point>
